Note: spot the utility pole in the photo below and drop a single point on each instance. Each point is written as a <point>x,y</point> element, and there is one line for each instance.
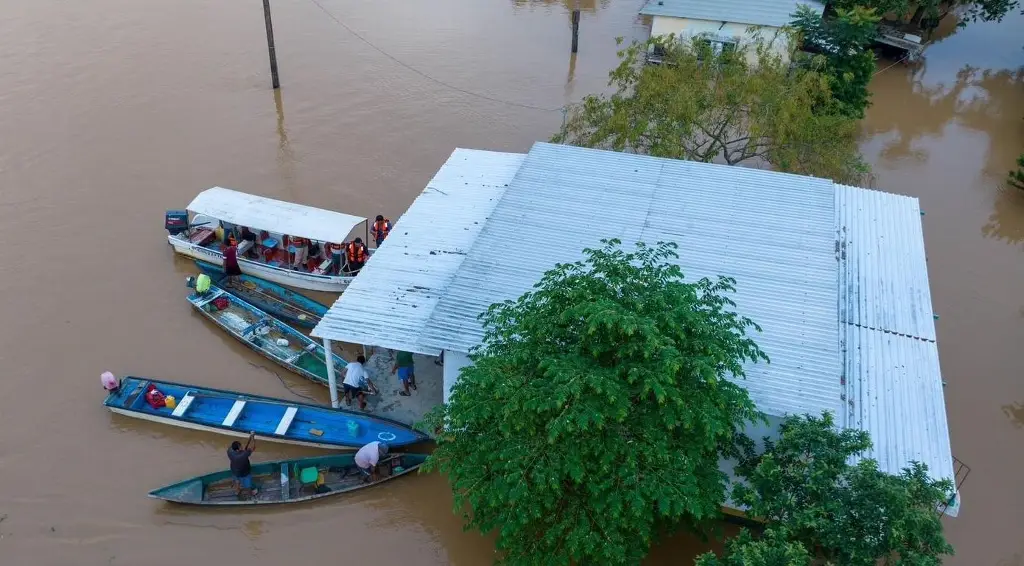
<point>270,44</point>
<point>576,29</point>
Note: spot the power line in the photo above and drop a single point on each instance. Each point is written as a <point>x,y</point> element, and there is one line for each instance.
<point>426,76</point>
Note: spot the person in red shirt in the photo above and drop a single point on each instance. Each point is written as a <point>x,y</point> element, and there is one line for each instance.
<point>231,261</point>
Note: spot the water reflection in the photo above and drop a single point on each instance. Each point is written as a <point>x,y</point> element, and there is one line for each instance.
<point>1015,412</point>
<point>1007,220</point>
<point>590,6</point>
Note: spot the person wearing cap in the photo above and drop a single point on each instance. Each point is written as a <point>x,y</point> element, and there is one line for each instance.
<point>368,457</point>
<point>381,228</point>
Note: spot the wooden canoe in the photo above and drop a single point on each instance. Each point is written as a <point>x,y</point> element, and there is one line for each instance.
<point>289,306</point>
<point>261,332</point>
<point>276,420</point>
<point>279,482</point>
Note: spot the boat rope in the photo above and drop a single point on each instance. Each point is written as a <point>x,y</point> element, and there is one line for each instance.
<point>285,383</point>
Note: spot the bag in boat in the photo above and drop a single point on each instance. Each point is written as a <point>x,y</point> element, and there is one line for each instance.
<point>221,303</point>
<point>154,397</point>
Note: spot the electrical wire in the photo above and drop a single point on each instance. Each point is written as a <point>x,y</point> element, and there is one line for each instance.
<point>425,75</point>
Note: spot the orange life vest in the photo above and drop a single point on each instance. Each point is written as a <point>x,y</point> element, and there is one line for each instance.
<point>381,228</point>
<point>297,242</point>
<point>356,253</point>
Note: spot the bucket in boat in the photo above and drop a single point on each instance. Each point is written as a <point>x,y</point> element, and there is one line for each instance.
<point>353,428</point>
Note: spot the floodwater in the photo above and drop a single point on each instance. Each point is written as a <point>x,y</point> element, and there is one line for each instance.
<point>112,111</point>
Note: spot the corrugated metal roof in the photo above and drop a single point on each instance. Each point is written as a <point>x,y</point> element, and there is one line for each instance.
<point>775,13</point>
<point>274,215</point>
<point>393,296</point>
<point>891,368</point>
<point>775,233</point>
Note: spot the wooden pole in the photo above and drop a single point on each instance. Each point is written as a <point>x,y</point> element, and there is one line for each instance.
<point>270,44</point>
<point>575,30</point>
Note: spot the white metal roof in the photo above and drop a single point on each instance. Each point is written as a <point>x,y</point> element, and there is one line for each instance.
<point>773,232</point>
<point>774,13</point>
<point>389,303</point>
<point>274,215</point>
<point>891,368</point>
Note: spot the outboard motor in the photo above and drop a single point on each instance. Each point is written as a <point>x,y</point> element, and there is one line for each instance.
<point>175,221</point>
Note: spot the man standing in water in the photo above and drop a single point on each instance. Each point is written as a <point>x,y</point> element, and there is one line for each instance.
<point>368,457</point>
<point>241,469</point>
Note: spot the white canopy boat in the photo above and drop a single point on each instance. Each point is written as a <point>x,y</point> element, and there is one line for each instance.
<point>263,227</point>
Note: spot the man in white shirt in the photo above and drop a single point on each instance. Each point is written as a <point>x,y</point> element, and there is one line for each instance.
<point>355,382</point>
<point>367,458</point>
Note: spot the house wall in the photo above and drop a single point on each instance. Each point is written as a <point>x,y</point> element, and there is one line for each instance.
<point>685,28</point>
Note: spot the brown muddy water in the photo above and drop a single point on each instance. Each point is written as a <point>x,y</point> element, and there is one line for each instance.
<point>113,110</point>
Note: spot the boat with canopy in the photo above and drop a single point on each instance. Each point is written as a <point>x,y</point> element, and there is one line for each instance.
<point>265,230</point>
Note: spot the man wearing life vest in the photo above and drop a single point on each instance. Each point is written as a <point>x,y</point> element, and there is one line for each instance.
<point>356,255</point>
<point>381,228</point>
<point>300,247</point>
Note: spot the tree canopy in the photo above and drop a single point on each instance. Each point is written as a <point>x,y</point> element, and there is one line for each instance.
<point>597,410</point>
<point>844,40</point>
<point>805,489</point>
<point>740,105</point>
<point>973,10</point>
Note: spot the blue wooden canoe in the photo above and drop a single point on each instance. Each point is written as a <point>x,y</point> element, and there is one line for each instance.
<point>261,332</point>
<point>280,482</point>
<point>276,420</point>
<point>289,306</point>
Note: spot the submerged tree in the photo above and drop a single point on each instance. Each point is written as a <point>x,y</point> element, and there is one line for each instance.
<point>598,409</point>
<point>844,40</point>
<point>734,105</point>
<point>850,514</point>
<point>1016,177</point>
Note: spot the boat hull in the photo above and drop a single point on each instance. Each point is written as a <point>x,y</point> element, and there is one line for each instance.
<point>279,482</point>
<point>279,275</point>
<point>235,414</point>
<point>283,303</point>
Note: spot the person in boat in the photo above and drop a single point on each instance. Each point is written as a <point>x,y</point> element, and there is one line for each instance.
<point>231,260</point>
<point>203,283</point>
<point>355,381</point>
<point>381,228</point>
<point>299,247</point>
<point>368,459</point>
<point>355,253</point>
<point>334,252</point>
<point>110,382</point>
<point>241,468</point>
<point>406,372</point>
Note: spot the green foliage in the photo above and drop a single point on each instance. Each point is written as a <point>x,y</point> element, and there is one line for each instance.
<point>739,106</point>
<point>1016,177</point>
<point>597,410</point>
<point>972,10</point>
<point>773,548</point>
<point>851,514</point>
<point>844,39</point>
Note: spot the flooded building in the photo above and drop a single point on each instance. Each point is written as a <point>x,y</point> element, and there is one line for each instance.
<point>726,24</point>
<point>835,275</point>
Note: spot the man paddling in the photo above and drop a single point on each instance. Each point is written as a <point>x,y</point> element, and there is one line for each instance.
<point>241,469</point>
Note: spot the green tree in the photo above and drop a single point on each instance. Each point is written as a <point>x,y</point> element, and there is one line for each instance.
<point>844,40</point>
<point>773,548</point>
<point>973,10</point>
<point>850,514</point>
<point>732,105</point>
<point>1016,177</point>
<point>598,409</point>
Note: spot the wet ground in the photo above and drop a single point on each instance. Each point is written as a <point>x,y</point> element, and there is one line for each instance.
<point>112,111</point>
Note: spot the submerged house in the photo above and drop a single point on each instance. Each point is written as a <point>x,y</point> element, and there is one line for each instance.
<point>727,24</point>
<point>835,275</point>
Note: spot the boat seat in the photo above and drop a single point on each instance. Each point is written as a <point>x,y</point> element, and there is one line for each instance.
<point>236,410</point>
<point>286,421</point>
<point>183,405</point>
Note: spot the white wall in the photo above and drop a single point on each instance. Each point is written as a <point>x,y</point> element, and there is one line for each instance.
<point>686,28</point>
<point>453,364</point>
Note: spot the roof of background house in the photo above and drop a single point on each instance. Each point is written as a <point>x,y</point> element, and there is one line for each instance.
<point>774,13</point>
